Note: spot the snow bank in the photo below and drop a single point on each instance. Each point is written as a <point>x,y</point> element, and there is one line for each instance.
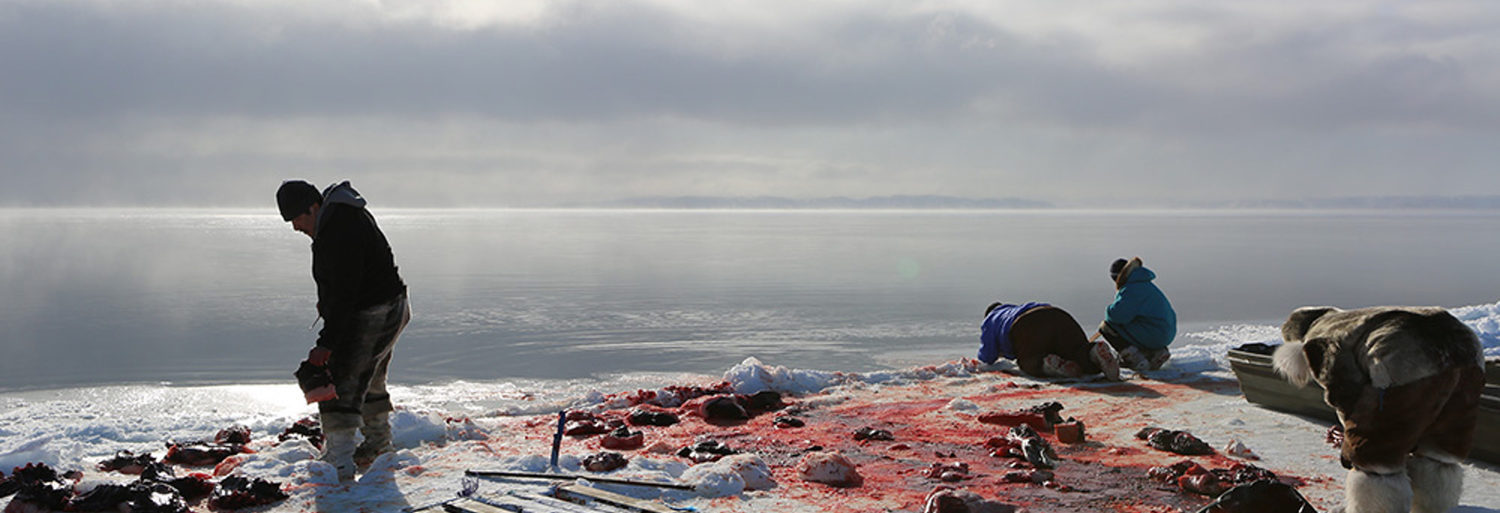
<point>1485,321</point>
<point>751,376</point>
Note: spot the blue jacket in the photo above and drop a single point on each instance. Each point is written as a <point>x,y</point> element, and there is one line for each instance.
<point>1140,312</point>
<point>994,333</point>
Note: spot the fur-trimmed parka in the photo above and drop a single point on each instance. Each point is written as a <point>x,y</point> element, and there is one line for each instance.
<point>1402,379</point>
<point>1141,313</point>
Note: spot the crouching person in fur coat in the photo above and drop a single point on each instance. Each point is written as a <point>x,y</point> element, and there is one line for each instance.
<point>1405,382</point>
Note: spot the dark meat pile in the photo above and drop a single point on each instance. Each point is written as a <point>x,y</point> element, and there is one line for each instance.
<point>158,489</point>
<point>604,461</point>
<point>1192,477</point>
<point>1180,442</point>
<point>706,451</point>
<point>623,439</point>
<point>237,492</point>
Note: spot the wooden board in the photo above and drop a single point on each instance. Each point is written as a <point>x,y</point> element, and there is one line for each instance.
<point>584,494</point>
<point>472,506</point>
<point>571,477</point>
<point>510,504</point>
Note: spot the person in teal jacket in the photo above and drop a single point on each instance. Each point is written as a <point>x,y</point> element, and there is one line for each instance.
<point>1140,323</point>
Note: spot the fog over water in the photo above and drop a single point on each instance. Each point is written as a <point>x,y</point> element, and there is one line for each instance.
<point>226,296</point>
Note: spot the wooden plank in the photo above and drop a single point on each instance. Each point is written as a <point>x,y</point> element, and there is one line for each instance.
<point>570,477</point>
<point>584,493</point>
<point>426,508</point>
<point>531,503</point>
<point>506,504</point>
<point>473,506</point>
<point>570,506</point>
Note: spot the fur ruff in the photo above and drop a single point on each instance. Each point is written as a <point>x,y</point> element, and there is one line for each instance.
<point>1436,486</point>
<point>1377,493</point>
<point>1290,361</point>
<point>1130,267</point>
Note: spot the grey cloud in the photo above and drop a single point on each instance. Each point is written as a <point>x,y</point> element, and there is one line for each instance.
<point>211,60</point>
<point>123,101</point>
<point>215,60</point>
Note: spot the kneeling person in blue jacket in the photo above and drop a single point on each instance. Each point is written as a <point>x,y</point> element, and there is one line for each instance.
<point>1044,340</point>
<point>1140,323</point>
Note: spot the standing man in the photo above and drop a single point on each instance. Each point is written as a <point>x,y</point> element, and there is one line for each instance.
<point>363,303</point>
<point>1140,323</point>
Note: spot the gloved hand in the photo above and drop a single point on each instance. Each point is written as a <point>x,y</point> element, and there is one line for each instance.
<point>316,382</point>
<point>318,356</point>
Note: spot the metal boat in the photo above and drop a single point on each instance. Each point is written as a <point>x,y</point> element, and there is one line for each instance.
<point>1261,385</point>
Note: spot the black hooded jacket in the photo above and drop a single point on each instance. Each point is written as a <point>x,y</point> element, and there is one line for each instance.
<point>352,265</point>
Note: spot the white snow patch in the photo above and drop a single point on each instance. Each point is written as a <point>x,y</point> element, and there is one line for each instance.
<point>752,376</point>
<point>711,480</point>
<point>963,405</point>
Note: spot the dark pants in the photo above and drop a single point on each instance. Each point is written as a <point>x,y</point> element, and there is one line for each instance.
<point>1118,341</point>
<point>1049,330</point>
<point>1113,336</point>
<point>359,375</point>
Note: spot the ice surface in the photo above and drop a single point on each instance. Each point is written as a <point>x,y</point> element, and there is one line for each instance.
<point>76,428</point>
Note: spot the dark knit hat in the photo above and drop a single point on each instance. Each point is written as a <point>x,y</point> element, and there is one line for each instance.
<point>992,308</point>
<point>294,197</point>
<point>1115,268</point>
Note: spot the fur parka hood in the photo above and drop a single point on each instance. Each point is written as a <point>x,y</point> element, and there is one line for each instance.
<point>1129,273</point>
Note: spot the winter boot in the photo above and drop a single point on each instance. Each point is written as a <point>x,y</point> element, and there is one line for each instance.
<point>338,450</point>
<point>1104,357</point>
<point>1435,485</point>
<point>1131,357</point>
<point>1056,366</point>
<point>377,431</point>
<point>1376,493</point>
<point>1158,358</point>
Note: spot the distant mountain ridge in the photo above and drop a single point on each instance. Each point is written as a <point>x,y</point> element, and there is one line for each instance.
<point>938,202</point>
<point>832,202</point>
<point>1371,202</point>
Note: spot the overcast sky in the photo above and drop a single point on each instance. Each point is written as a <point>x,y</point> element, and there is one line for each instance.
<point>535,103</point>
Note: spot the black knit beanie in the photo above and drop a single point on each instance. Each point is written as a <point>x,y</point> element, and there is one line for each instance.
<point>992,308</point>
<point>1115,268</point>
<point>294,197</point>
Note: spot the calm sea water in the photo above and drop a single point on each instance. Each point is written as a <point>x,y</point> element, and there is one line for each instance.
<point>91,297</point>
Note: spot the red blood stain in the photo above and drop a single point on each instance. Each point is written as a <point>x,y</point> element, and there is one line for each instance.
<point>1106,472</point>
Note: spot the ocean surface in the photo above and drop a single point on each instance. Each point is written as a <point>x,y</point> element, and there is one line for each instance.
<point>98,297</point>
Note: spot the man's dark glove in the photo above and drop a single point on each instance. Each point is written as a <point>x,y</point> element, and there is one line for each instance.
<point>318,356</point>
<point>316,382</point>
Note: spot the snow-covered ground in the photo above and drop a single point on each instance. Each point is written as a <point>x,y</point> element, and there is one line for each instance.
<point>444,429</point>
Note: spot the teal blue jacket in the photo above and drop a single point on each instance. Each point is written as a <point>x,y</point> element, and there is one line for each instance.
<point>1141,312</point>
